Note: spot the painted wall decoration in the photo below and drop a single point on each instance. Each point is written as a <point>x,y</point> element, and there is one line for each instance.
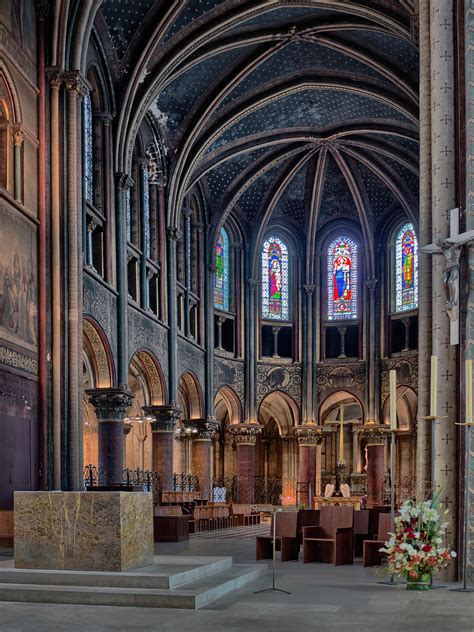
<point>88,149</point>
<point>342,279</point>
<point>18,280</point>
<point>221,273</point>
<point>406,269</point>
<point>275,280</point>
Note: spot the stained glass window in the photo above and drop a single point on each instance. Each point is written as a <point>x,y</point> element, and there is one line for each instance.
<point>275,280</point>
<point>146,212</point>
<point>128,213</point>
<point>221,274</point>
<point>342,279</point>
<point>406,269</point>
<point>88,150</point>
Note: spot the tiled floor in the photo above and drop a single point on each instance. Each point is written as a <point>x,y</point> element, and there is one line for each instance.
<point>323,598</point>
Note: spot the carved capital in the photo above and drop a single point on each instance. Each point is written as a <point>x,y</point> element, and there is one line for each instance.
<point>252,283</point>
<point>55,75</point>
<point>309,289</point>
<point>165,417</point>
<point>18,136</point>
<point>371,284</point>
<point>124,181</point>
<point>245,434</point>
<point>375,435</point>
<point>111,404</point>
<point>76,83</point>
<point>205,429</point>
<point>309,435</point>
<point>42,8</point>
<point>173,233</point>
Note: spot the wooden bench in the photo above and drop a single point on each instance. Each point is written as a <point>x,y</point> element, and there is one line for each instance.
<point>245,514</point>
<point>372,554</point>
<point>286,539</point>
<point>6,528</point>
<point>332,541</point>
<point>169,524</point>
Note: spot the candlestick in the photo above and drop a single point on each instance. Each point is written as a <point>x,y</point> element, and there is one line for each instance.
<point>341,434</point>
<point>393,400</point>
<point>468,391</point>
<point>434,386</point>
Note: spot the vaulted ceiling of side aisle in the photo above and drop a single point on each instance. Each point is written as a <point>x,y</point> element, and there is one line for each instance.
<point>296,111</point>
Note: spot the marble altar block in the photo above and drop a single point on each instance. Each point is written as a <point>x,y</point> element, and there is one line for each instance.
<point>94,531</point>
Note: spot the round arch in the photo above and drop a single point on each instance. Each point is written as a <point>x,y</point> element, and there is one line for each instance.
<point>190,396</point>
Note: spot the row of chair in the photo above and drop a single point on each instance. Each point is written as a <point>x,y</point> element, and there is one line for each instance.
<point>334,539</point>
<point>212,517</point>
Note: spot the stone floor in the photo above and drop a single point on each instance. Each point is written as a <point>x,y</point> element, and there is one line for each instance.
<point>323,598</point>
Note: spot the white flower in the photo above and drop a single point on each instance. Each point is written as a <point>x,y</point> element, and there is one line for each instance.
<point>454,554</point>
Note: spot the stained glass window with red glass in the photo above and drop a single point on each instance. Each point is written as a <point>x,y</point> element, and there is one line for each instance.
<point>275,280</point>
<point>221,273</point>
<point>342,279</point>
<point>406,269</point>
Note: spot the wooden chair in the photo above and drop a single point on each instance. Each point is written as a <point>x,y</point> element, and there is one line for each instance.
<point>372,554</point>
<point>332,541</point>
<point>6,528</point>
<point>286,538</point>
<point>170,525</point>
<point>307,518</point>
<point>361,530</point>
<point>374,519</point>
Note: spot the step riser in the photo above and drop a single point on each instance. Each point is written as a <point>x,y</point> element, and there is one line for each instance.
<point>112,580</point>
<point>212,595</point>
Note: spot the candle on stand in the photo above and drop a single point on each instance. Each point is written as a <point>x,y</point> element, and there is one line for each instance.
<point>468,391</point>
<point>434,387</point>
<point>341,434</point>
<point>393,400</point>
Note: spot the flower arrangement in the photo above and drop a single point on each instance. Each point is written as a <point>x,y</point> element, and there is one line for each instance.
<point>416,548</point>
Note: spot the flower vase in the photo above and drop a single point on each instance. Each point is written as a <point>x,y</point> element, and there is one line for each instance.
<point>420,582</point>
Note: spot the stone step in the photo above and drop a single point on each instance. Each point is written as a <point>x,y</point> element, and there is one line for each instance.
<point>193,596</point>
<point>168,571</point>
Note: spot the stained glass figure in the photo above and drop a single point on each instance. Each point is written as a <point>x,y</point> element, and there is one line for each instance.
<point>88,150</point>
<point>275,280</point>
<point>406,269</point>
<point>342,279</point>
<point>221,274</point>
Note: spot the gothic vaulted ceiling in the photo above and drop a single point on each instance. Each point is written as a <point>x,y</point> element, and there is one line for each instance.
<point>302,111</point>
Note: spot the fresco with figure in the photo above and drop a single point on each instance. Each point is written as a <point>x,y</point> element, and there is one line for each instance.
<point>18,280</point>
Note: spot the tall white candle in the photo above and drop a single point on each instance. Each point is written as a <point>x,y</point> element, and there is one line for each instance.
<point>393,400</point>
<point>434,386</point>
<point>469,391</point>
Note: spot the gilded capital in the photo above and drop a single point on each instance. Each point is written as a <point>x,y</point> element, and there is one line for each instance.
<point>309,435</point>
<point>111,404</point>
<point>375,435</point>
<point>245,434</point>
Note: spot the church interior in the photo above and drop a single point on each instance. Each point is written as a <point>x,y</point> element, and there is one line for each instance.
<point>236,309</point>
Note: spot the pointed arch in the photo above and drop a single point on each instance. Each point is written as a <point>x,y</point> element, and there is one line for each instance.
<point>282,409</point>
<point>97,355</point>
<point>221,280</point>
<point>342,279</point>
<point>404,280</point>
<point>190,396</point>
<point>227,406</point>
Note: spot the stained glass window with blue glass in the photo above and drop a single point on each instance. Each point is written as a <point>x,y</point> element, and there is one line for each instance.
<point>88,150</point>
<point>406,269</point>
<point>342,279</point>
<point>275,280</point>
<point>221,273</point>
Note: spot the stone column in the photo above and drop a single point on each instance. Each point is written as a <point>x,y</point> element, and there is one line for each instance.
<point>373,412</point>
<point>308,439</point>
<point>76,89</point>
<point>423,437</point>
<point>18,138</point>
<point>443,199</point>
<point>111,405</point>
<point>123,183</point>
<point>202,444</point>
<point>245,436</point>
<point>162,429</point>
<point>375,465</point>
<point>173,236</point>
<point>308,355</point>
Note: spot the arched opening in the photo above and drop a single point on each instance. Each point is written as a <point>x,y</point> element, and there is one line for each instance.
<point>227,411</point>
<point>407,412</point>
<point>190,404</point>
<point>276,451</point>
<point>146,383</point>
<point>97,373</point>
<point>339,407</point>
